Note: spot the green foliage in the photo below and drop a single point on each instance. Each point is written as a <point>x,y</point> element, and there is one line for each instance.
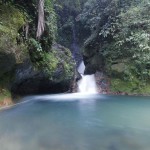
<point>130,39</point>
<point>30,10</point>
<point>34,45</point>
<point>67,16</point>
<point>51,60</point>
<point>4,93</point>
<point>134,87</point>
<point>51,19</point>
<point>11,20</point>
<point>120,30</point>
<point>48,63</point>
<point>73,5</point>
<point>37,54</point>
<point>64,57</point>
<point>28,32</point>
<point>123,86</point>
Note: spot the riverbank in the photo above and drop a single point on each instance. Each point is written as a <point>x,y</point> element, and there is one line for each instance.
<point>5,97</point>
<point>7,101</point>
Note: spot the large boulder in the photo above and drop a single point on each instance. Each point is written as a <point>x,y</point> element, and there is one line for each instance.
<point>30,80</point>
<point>93,63</point>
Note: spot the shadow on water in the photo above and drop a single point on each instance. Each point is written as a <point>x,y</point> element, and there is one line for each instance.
<point>76,121</point>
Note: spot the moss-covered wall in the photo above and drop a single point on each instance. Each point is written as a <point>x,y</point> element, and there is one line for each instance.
<point>11,20</point>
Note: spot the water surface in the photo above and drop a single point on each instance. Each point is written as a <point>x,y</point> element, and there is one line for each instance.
<point>77,122</point>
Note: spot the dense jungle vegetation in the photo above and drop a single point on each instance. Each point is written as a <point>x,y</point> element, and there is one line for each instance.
<point>113,36</point>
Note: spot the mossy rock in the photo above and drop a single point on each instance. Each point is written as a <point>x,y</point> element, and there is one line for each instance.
<point>53,74</point>
<point>65,63</point>
<point>119,67</point>
<point>119,85</point>
<point>130,87</point>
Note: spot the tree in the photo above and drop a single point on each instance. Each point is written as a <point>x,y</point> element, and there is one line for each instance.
<point>41,19</point>
<point>120,31</point>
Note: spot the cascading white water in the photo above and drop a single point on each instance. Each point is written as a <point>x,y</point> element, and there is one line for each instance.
<point>81,68</point>
<point>88,83</point>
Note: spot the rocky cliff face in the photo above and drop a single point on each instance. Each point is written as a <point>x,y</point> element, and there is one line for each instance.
<point>30,80</point>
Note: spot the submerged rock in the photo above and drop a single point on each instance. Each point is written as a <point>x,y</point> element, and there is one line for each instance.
<point>31,80</point>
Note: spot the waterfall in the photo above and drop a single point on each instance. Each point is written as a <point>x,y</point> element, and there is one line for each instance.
<point>81,68</point>
<point>75,46</point>
<point>88,83</point>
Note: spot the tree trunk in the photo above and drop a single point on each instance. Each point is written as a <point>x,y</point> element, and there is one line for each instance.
<point>41,19</point>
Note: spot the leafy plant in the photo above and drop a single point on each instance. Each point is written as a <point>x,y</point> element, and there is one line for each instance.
<point>11,20</point>
<point>120,30</point>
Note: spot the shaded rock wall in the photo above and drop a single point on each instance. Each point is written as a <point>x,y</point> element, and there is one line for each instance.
<point>31,80</point>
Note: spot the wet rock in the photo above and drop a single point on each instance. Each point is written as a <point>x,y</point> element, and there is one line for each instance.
<point>93,63</point>
<point>89,69</point>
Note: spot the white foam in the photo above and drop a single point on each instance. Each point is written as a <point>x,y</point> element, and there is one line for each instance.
<point>62,97</point>
<point>87,84</point>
